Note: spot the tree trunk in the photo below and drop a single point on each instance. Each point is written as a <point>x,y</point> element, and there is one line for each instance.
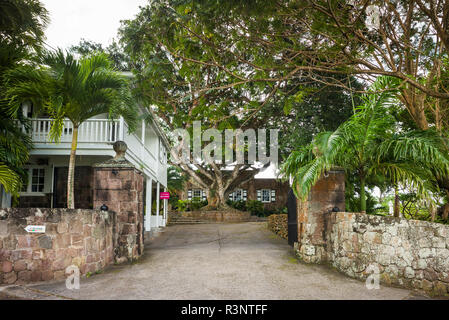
<point>396,203</point>
<point>216,199</point>
<point>71,175</point>
<point>362,195</point>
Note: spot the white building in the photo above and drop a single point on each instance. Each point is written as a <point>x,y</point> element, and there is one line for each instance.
<point>48,164</point>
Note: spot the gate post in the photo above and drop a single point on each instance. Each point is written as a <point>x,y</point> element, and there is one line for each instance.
<point>327,195</point>
<point>119,186</point>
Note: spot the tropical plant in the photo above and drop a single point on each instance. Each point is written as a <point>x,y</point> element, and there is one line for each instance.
<point>22,24</point>
<point>65,87</point>
<point>182,205</point>
<point>371,144</point>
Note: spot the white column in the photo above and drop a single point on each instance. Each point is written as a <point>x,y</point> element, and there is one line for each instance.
<point>142,138</point>
<point>5,199</point>
<point>158,196</point>
<point>148,201</point>
<point>122,129</point>
<point>165,209</point>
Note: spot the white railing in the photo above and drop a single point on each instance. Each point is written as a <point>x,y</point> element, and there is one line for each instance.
<point>96,131</point>
<point>90,131</point>
<point>138,149</point>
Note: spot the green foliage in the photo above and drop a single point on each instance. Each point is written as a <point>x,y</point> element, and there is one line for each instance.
<point>239,205</point>
<point>182,205</point>
<point>76,89</point>
<point>22,24</point>
<point>114,51</point>
<point>64,87</point>
<point>255,207</point>
<point>196,204</point>
<point>369,145</point>
<point>190,205</point>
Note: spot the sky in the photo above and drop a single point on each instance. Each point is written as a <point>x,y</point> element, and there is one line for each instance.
<point>96,20</point>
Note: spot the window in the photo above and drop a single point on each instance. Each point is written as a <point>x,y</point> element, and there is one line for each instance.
<point>36,181</point>
<point>266,195</point>
<point>238,195</point>
<point>162,153</point>
<point>196,194</point>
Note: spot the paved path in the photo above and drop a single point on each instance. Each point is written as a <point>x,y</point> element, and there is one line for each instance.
<point>215,261</point>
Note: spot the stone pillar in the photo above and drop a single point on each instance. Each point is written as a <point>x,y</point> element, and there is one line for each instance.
<point>326,196</point>
<point>119,186</point>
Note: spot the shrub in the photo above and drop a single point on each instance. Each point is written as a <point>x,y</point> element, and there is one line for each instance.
<point>182,205</point>
<point>255,207</point>
<point>239,205</point>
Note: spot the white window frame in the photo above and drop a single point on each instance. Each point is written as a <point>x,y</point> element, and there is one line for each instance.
<point>200,194</point>
<point>236,194</point>
<point>29,190</point>
<point>244,195</point>
<point>162,153</point>
<point>189,194</point>
<point>269,195</point>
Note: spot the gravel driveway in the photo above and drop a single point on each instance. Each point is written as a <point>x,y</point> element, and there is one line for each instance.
<point>215,261</point>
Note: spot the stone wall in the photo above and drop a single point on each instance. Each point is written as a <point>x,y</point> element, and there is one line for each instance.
<point>217,216</point>
<point>84,238</point>
<point>408,253</point>
<point>278,223</point>
<point>121,189</point>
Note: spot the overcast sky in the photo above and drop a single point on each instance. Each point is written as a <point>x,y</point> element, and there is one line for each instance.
<point>96,20</point>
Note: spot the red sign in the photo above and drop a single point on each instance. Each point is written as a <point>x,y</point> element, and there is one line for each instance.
<point>165,196</point>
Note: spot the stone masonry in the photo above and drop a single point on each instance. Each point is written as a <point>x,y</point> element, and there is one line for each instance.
<point>328,194</point>
<point>84,238</point>
<point>407,253</point>
<point>229,216</point>
<point>119,186</point>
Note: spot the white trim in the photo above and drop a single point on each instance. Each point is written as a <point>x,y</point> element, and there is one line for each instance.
<point>262,196</point>
<point>47,179</point>
<point>158,196</point>
<point>148,200</point>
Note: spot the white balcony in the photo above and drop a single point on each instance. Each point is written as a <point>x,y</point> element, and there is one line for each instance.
<point>95,138</point>
<point>91,131</point>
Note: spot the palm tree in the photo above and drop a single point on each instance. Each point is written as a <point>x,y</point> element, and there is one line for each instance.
<point>370,144</point>
<point>65,87</point>
<point>22,24</point>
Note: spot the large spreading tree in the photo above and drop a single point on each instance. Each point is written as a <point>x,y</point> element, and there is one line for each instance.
<point>184,79</point>
<point>276,44</point>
